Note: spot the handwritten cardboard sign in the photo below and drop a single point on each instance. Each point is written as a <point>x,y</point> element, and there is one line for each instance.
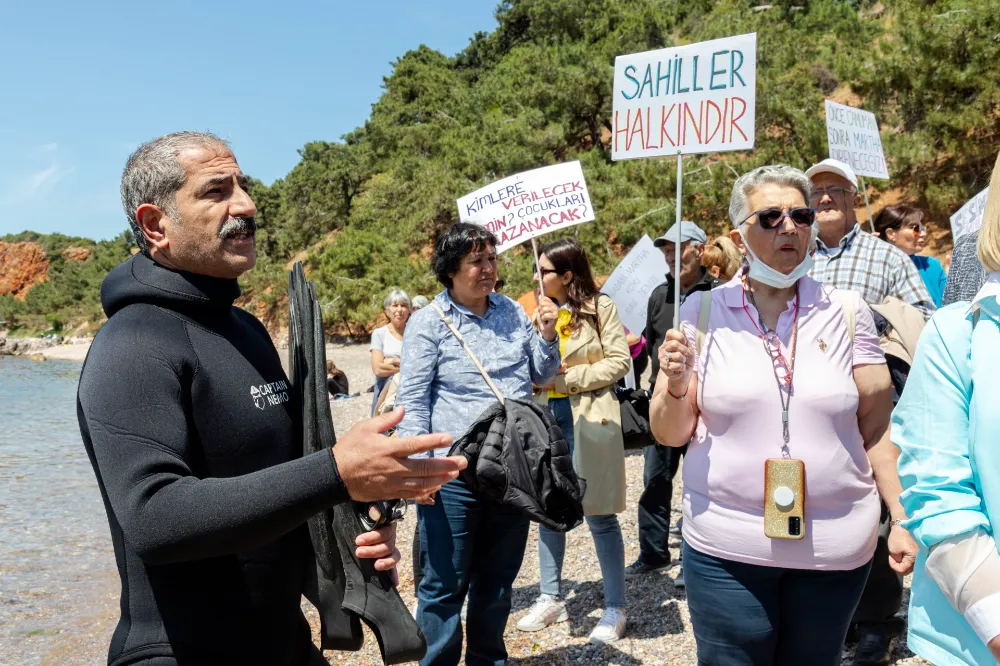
<point>699,98</point>
<point>969,217</point>
<point>530,204</point>
<point>853,138</point>
<point>633,280</point>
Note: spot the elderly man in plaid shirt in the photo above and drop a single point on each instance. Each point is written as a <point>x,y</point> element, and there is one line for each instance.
<point>849,258</point>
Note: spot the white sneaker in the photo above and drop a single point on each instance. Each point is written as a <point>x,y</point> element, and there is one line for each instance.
<point>610,629</point>
<point>545,611</point>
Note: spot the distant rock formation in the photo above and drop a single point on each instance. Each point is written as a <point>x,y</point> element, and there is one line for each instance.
<point>76,253</point>
<point>22,266</point>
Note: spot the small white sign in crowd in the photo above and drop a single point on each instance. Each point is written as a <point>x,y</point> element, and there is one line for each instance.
<point>853,138</point>
<point>633,280</point>
<point>969,217</point>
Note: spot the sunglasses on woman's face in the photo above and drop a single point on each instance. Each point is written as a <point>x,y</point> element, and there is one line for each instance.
<point>769,218</point>
<point>543,271</point>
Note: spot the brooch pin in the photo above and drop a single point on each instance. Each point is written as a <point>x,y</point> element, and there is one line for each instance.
<point>822,345</point>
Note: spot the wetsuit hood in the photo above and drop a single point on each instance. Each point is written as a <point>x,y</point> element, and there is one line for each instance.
<point>142,280</point>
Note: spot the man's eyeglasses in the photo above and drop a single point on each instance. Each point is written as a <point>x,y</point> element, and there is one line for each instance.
<point>834,193</point>
<point>769,218</point>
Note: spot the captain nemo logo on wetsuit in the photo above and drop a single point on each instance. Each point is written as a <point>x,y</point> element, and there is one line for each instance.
<point>271,394</point>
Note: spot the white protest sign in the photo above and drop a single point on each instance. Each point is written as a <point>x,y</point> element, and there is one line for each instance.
<point>969,217</point>
<point>633,280</point>
<point>853,138</point>
<point>699,98</point>
<point>529,204</point>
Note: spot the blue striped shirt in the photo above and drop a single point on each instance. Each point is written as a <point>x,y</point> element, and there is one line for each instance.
<point>440,386</point>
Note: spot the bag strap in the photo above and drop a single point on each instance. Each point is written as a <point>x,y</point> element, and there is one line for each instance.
<point>704,316</point>
<point>850,314</point>
<point>468,350</point>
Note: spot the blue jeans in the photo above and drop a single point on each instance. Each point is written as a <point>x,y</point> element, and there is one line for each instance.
<point>606,531</point>
<point>753,615</point>
<point>467,545</point>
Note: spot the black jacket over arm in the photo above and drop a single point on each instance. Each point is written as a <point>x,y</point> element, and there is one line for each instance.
<point>186,416</point>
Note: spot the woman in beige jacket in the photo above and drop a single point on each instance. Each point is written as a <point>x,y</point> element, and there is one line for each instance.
<point>595,356</point>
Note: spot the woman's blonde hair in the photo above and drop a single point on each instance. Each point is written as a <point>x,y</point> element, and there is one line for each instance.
<point>989,232</point>
<point>722,252</point>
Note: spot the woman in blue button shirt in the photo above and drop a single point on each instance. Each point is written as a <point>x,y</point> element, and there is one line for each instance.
<point>947,427</point>
<point>469,545</point>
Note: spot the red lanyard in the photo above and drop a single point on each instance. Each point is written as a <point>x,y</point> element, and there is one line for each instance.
<point>777,357</point>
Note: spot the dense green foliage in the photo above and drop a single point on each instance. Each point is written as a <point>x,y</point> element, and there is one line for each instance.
<point>363,212</point>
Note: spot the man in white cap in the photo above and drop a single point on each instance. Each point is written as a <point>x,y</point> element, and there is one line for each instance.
<point>849,258</point>
<point>661,462</point>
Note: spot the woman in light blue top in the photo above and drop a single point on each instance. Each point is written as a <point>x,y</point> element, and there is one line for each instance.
<point>947,427</point>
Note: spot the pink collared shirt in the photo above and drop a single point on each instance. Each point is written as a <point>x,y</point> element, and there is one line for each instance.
<point>739,427</point>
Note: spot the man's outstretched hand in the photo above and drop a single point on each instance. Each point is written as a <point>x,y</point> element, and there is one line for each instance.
<point>376,467</point>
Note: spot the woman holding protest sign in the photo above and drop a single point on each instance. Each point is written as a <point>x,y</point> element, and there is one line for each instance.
<point>581,397</point>
<point>469,545</point>
<point>783,393</point>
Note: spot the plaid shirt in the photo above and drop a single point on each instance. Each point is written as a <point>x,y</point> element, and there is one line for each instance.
<point>873,268</point>
<point>966,275</point>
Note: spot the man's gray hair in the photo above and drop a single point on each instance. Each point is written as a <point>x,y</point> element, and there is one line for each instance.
<point>779,174</point>
<point>397,296</point>
<point>153,175</point>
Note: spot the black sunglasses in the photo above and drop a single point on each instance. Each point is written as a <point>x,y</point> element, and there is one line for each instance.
<point>544,271</point>
<point>769,218</point>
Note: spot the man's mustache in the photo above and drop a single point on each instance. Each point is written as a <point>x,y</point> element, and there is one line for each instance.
<point>238,225</point>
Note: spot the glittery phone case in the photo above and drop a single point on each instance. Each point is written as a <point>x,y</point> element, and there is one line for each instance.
<point>790,522</point>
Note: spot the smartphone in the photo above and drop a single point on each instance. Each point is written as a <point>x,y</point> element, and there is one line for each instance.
<point>784,498</point>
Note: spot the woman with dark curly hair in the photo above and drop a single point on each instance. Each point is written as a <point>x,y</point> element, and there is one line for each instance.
<point>469,545</point>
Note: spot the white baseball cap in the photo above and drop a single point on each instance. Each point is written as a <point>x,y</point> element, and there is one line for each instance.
<point>830,165</point>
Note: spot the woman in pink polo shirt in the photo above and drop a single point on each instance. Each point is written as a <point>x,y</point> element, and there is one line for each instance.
<point>775,566</point>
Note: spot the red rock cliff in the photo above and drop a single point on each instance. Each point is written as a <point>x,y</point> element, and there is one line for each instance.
<point>22,266</point>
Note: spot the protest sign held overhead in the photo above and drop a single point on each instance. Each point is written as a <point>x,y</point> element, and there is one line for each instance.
<point>852,135</point>
<point>529,204</point>
<point>969,217</point>
<point>698,98</point>
<point>633,280</point>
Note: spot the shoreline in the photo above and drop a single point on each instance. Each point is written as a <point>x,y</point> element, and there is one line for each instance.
<point>74,349</point>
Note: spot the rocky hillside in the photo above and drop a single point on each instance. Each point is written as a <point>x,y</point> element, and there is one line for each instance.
<point>22,266</point>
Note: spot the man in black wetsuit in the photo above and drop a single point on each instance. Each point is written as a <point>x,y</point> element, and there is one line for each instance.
<point>189,423</point>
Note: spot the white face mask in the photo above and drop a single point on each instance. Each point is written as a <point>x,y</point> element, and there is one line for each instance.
<point>763,273</point>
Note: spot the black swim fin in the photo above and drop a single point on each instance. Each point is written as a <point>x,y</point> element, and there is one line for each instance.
<point>339,629</point>
<point>362,591</point>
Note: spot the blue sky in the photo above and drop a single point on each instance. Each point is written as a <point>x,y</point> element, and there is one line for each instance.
<point>83,83</point>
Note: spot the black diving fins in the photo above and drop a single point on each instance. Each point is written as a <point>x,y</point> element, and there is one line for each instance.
<point>346,590</point>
